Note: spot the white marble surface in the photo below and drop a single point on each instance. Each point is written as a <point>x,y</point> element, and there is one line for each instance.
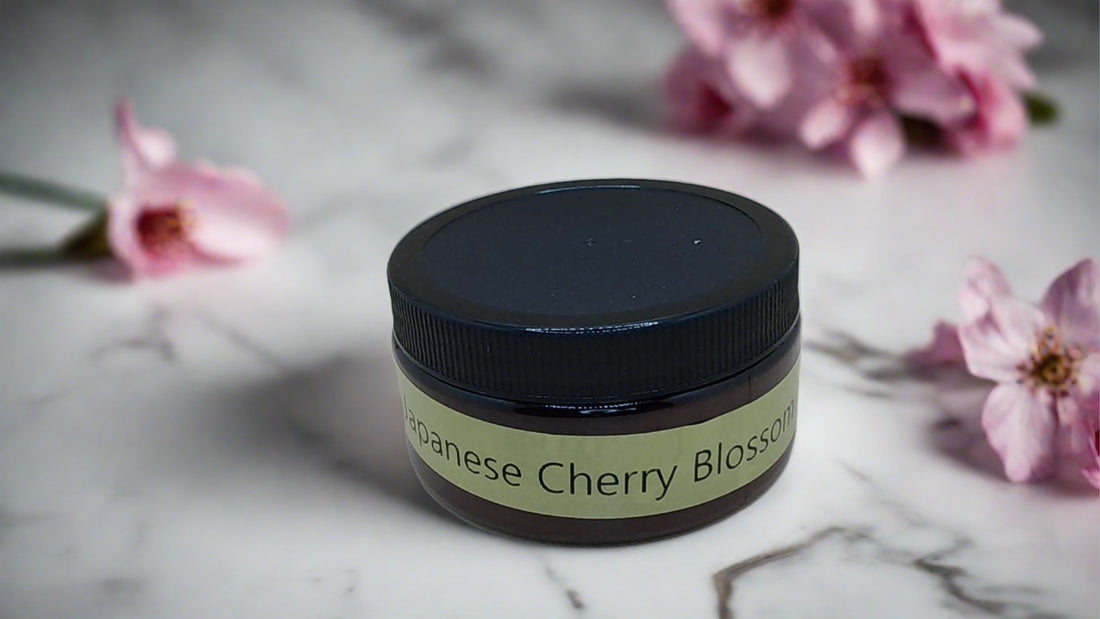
<point>228,444</point>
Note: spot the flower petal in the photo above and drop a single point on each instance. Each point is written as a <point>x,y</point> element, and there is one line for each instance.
<point>1072,304</point>
<point>699,95</point>
<point>999,341</point>
<point>876,144</point>
<point>1067,409</point>
<point>142,148</point>
<point>983,280</point>
<point>1092,473</point>
<point>866,16</point>
<point>239,228</point>
<point>122,214</point>
<point>1021,427</point>
<point>944,349</point>
<point>826,122</point>
<point>703,22</point>
<point>1013,69</point>
<point>998,122</point>
<point>235,219</point>
<point>1088,373</point>
<point>760,67</point>
<point>1091,468</point>
<point>930,93</point>
<point>244,175</point>
<point>1084,434</point>
<point>1017,31</point>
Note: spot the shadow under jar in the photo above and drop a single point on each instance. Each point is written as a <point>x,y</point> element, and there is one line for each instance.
<point>598,361</point>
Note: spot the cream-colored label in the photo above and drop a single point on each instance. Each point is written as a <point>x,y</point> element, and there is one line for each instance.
<point>619,476</point>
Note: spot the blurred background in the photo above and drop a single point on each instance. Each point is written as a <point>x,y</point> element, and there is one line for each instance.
<point>341,96</point>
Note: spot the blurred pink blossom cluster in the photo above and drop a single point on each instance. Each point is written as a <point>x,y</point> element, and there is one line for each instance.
<point>850,75</point>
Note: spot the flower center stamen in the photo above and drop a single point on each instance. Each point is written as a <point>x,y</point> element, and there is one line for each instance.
<point>866,82</point>
<point>773,10</point>
<point>164,230</point>
<point>1052,365</point>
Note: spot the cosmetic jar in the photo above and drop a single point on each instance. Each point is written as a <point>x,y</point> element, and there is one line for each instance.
<point>598,361</point>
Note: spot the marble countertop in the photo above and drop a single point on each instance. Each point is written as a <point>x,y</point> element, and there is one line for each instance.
<point>229,444</point>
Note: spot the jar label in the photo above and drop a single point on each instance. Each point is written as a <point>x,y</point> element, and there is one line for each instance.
<point>616,476</point>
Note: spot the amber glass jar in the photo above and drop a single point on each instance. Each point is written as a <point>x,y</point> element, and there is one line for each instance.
<point>599,361</point>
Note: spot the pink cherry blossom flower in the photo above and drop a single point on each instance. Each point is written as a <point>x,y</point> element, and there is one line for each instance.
<point>171,216</point>
<point>1046,361</point>
<point>845,74</point>
<point>702,98</point>
<point>754,39</point>
<point>998,122</point>
<point>876,79</point>
<point>978,37</point>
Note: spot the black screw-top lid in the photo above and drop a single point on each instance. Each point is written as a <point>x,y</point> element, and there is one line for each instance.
<point>594,291</point>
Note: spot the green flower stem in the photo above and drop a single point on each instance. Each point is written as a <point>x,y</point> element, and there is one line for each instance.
<point>89,241</point>
<point>47,191</point>
<point>1041,109</point>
